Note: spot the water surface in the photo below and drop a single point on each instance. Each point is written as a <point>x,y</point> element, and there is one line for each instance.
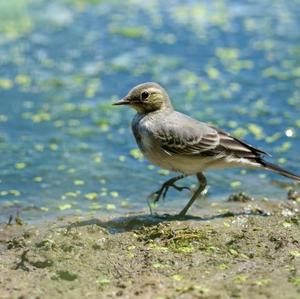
<point>65,149</point>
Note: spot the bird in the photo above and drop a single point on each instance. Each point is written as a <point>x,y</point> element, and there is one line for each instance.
<point>179,143</point>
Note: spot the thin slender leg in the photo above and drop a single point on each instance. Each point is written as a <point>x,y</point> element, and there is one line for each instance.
<point>202,184</point>
<point>162,191</point>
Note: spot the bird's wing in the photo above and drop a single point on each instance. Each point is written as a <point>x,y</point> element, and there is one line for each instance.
<point>186,136</point>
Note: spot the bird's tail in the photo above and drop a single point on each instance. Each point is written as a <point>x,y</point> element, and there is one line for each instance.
<point>280,170</point>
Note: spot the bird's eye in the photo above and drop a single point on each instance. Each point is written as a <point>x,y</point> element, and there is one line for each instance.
<point>144,95</point>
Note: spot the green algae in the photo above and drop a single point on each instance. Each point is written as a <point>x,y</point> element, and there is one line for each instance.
<point>15,18</point>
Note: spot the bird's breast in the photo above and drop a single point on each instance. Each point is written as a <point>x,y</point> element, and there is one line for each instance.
<point>152,150</point>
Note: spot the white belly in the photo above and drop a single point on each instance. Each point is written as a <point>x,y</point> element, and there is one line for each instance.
<point>185,164</point>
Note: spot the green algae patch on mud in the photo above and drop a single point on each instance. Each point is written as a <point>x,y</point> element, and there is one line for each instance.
<point>185,240</point>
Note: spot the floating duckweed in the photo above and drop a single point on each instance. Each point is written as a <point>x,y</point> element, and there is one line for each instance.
<point>92,88</point>
<point>38,179</point>
<point>61,167</point>
<point>110,207</point>
<point>20,165</point>
<point>256,130</point>
<point>44,209</point>
<point>91,196</point>
<point>130,32</point>
<point>14,192</point>
<point>122,158</point>
<point>69,107</point>
<point>284,147</point>
<point>125,204</point>
<point>85,131</point>
<point>70,194</point>
<point>97,159</point>
<point>234,87</point>
<point>3,118</point>
<point>230,58</point>
<point>232,124</point>
<point>137,154</point>
<point>212,72</point>
<point>273,138</point>
<point>65,207</point>
<point>5,83</point>
<point>282,160</point>
<point>71,170</point>
<point>163,172</point>
<point>204,86</point>
<point>23,79</point>
<point>74,123</point>
<point>41,116</point>
<point>78,182</point>
<point>114,194</point>
<point>53,146</point>
<point>11,203</point>
<point>95,206</point>
<point>59,123</point>
<point>235,184</point>
<point>39,147</point>
<point>265,44</point>
<point>227,54</point>
<point>240,132</point>
<point>104,126</point>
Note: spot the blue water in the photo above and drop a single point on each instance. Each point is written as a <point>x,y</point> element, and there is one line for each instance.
<point>65,149</point>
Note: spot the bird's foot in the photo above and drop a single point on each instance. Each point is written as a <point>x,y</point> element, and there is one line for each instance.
<point>162,192</point>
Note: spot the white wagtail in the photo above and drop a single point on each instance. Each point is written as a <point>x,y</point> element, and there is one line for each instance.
<point>179,143</point>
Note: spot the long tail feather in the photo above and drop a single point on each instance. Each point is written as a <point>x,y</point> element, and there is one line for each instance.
<point>280,170</point>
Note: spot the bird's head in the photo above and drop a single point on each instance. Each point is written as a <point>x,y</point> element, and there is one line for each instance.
<point>146,97</point>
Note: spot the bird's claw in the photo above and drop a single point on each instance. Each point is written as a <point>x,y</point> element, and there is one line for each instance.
<point>162,192</point>
<point>181,188</point>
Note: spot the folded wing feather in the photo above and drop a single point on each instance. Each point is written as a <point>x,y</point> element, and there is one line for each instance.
<point>196,138</point>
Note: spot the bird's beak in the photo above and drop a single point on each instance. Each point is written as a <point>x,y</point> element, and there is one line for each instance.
<point>124,101</point>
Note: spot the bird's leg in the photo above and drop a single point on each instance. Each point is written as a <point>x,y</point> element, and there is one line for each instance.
<point>202,184</point>
<point>162,191</point>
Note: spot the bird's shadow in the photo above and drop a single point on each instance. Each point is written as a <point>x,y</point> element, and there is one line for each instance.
<point>136,222</point>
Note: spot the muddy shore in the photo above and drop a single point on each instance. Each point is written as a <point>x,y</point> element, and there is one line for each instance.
<point>234,249</point>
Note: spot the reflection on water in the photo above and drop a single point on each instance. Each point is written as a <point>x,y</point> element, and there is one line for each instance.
<point>65,149</point>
